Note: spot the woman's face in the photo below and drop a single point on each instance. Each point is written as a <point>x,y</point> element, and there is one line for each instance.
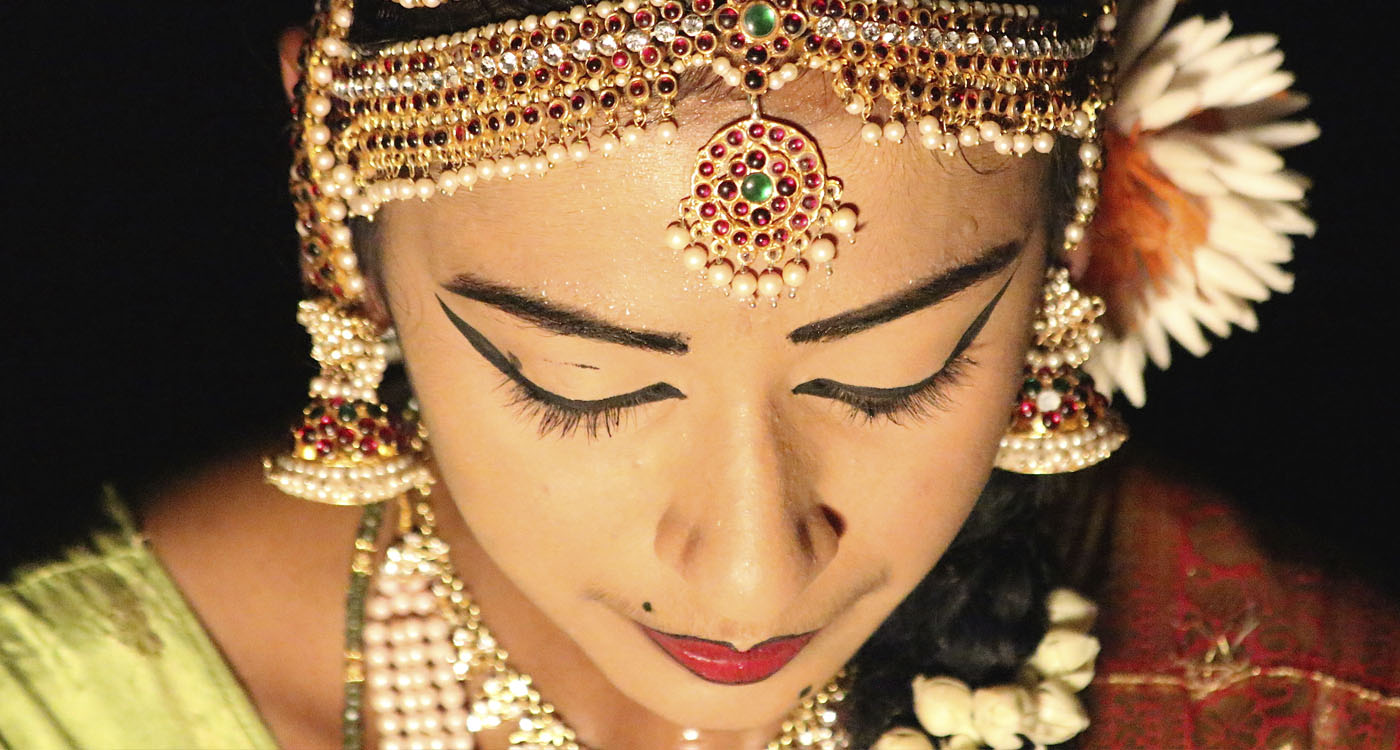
<point>697,467</point>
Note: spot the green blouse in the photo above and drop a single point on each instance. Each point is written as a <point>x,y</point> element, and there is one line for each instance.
<point>99,649</point>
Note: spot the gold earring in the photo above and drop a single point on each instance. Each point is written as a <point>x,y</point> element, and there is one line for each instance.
<point>348,449</point>
<point>1060,422</point>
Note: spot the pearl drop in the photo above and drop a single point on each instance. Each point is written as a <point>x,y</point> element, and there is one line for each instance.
<point>362,206</point>
<point>607,144</point>
<point>1089,154</point>
<point>454,719</point>
<point>447,181</point>
<point>931,141</point>
<point>321,75</point>
<point>788,72</point>
<point>486,169</point>
<point>631,135</point>
<point>1088,179</point>
<point>336,211</point>
<point>1002,144</point>
<point>928,125</point>
<point>323,160</point>
<point>969,136</point>
<point>466,176</point>
<point>355,286</point>
<point>1074,233</point>
<point>1021,144</point>
<point>721,66</point>
<point>578,151</point>
<point>402,603</point>
<point>556,152</point>
<point>770,283</point>
<point>950,142</point>
<point>794,273</point>
<point>677,237</point>
<point>855,107</point>
<point>333,47</point>
<point>870,133</point>
<point>425,188</point>
<point>378,656</point>
<point>666,131</point>
<point>1044,143</point>
<point>452,696</point>
<point>436,629</point>
<point>894,131</point>
<point>822,250</point>
<point>1081,121</point>
<point>342,17</point>
<point>719,273</point>
<point>505,168</point>
<point>989,130</point>
<point>844,220</point>
<point>744,283</point>
<point>694,257</point>
<point>733,78</point>
<point>1085,204</point>
<point>540,164</point>
<point>389,724</point>
<point>346,261</point>
<point>375,633</point>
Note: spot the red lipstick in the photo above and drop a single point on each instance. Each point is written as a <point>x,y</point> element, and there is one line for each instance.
<point>726,665</point>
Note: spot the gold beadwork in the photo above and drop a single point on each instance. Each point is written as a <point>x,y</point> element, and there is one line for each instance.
<point>429,116</point>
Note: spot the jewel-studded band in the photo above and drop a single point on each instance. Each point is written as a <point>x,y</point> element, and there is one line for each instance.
<point>412,119</point>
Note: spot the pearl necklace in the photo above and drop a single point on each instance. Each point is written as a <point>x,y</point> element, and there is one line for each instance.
<point>435,676</point>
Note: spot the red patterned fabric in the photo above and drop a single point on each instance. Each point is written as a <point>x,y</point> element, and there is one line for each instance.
<point>1209,644</point>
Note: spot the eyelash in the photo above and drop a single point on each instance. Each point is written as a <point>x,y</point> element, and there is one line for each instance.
<point>607,415</point>
<point>931,395</point>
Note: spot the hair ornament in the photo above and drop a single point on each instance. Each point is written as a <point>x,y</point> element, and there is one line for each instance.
<point>419,118</point>
<point>1196,206</point>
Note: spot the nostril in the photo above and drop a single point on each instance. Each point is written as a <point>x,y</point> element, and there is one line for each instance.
<point>834,519</point>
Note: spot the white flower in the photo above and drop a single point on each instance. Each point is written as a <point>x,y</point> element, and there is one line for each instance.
<point>1195,185</point>
<point>943,705</point>
<point>1000,714</point>
<point>1065,653</point>
<point>1058,714</point>
<point>903,738</point>
<point>1068,609</point>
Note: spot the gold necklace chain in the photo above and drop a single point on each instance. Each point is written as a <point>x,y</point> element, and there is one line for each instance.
<point>400,658</point>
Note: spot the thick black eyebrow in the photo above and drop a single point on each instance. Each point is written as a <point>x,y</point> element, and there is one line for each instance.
<point>926,293</point>
<point>563,320</point>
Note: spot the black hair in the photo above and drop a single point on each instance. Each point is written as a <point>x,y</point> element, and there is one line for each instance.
<point>979,613</point>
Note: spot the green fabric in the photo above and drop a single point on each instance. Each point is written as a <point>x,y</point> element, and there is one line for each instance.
<point>100,650</point>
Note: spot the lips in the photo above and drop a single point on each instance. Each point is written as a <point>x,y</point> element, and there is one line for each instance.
<point>721,663</point>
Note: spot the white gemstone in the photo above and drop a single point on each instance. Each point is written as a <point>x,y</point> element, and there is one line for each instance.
<point>607,45</point>
<point>553,54</point>
<point>935,37</point>
<point>826,25</point>
<point>531,58</point>
<point>1021,48</point>
<point>581,48</point>
<point>635,40</point>
<point>952,42</point>
<point>509,63</point>
<point>989,44</point>
<point>846,29</point>
<point>664,32</point>
<point>890,33</point>
<point>488,67</point>
<point>1006,46</point>
<point>692,24</point>
<point>870,30</point>
<point>971,42</point>
<point>915,37</point>
<point>1047,400</point>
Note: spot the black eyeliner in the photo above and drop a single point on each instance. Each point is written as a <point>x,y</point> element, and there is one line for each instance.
<point>508,367</point>
<point>828,388</point>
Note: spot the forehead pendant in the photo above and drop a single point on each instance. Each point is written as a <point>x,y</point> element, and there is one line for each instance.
<point>762,210</point>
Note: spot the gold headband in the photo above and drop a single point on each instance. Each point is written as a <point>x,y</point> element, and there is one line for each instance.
<point>418,118</point>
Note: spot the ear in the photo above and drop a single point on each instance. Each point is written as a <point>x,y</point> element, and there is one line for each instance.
<point>1077,260</point>
<point>289,46</point>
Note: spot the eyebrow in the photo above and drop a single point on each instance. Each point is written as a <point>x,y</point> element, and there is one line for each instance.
<point>924,294</point>
<point>561,319</point>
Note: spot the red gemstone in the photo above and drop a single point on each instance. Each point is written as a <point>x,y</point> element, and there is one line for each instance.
<point>812,181</point>
<point>780,234</point>
<point>1052,419</point>
<point>717,150</point>
<point>756,130</point>
<point>761,240</point>
<point>621,60</point>
<point>755,160</point>
<point>1027,409</point>
<point>738,169</point>
<point>708,210</point>
<point>721,227</point>
<point>777,135</point>
<point>650,55</point>
<point>327,419</point>
<point>806,164</point>
<point>707,168</point>
<point>740,238</point>
<point>734,137</point>
<point>346,437</point>
<point>702,191</point>
<point>787,186</point>
<point>810,203</point>
<point>779,167</point>
<point>741,208</point>
<point>796,144</point>
<point>779,204</point>
<point>323,447</point>
<point>798,221</point>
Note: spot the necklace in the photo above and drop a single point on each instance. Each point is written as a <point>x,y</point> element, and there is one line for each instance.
<point>419,656</point>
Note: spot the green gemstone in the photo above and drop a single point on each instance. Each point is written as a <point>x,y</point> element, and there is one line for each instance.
<point>759,20</point>
<point>347,413</point>
<point>756,188</point>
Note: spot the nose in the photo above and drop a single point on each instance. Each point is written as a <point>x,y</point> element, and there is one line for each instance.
<point>747,531</point>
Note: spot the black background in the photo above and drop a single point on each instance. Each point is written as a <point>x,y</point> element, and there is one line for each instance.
<point>150,274</point>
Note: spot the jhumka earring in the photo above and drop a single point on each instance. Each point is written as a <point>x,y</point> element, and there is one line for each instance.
<point>1060,422</point>
<point>348,449</point>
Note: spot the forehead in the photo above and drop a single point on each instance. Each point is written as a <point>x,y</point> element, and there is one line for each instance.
<point>592,235</point>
